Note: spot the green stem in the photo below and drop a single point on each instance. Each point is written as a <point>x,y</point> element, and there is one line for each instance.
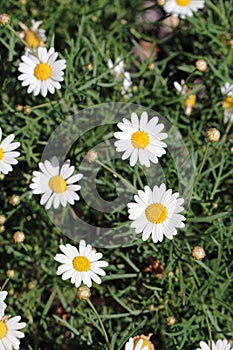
<point>228,128</point>
<point>5,283</point>
<point>100,321</point>
<point>219,12</point>
<point>44,104</point>
<point>20,39</point>
<point>201,167</point>
<point>126,182</point>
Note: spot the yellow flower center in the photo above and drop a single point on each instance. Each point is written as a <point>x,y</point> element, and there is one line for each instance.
<point>32,39</point>
<point>81,264</point>
<point>3,329</point>
<point>57,184</point>
<point>156,213</point>
<point>43,71</point>
<point>191,100</point>
<point>1,153</point>
<point>146,342</point>
<point>183,2</point>
<point>228,103</point>
<point>140,139</point>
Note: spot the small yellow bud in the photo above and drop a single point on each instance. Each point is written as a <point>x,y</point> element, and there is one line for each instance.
<point>2,176</point>
<point>10,273</point>
<point>231,149</point>
<point>19,108</point>
<point>135,88</point>
<point>27,110</point>
<point>89,67</point>
<point>213,135</point>
<point>91,156</point>
<point>198,253</point>
<point>4,19</point>
<point>84,293</point>
<point>201,65</point>
<point>2,228</point>
<point>161,2</point>
<point>31,285</point>
<point>151,66</point>
<point>171,321</point>
<point>14,199</point>
<point>18,237</point>
<point>2,219</point>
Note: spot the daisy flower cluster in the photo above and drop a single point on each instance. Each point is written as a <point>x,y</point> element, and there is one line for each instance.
<point>121,76</point>
<point>10,327</point>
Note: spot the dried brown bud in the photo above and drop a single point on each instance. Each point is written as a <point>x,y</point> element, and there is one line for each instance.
<point>213,135</point>
<point>19,108</point>
<point>198,253</point>
<point>84,293</point>
<point>18,237</point>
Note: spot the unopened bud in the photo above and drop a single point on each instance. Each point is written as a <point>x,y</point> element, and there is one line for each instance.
<point>4,19</point>
<point>2,219</point>
<point>89,67</point>
<point>91,156</point>
<point>14,199</point>
<point>201,65</point>
<point>213,135</point>
<point>84,293</point>
<point>27,110</point>
<point>171,321</point>
<point>10,273</point>
<point>18,237</point>
<point>19,108</point>
<point>198,253</point>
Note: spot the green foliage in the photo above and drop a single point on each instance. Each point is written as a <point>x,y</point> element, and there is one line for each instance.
<point>130,300</point>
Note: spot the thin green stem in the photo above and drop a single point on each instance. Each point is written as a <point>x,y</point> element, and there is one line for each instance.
<point>100,321</point>
<point>220,13</point>
<point>202,166</point>
<point>22,41</point>
<point>126,182</point>
<point>44,104</point>
<point>5,283</point>
<point>228,128</point>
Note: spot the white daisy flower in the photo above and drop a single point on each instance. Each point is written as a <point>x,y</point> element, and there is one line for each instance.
<point>9,332</point>
<point>118,68</point>
<point>42,73</point>
<point>156,213</point>
<point>3,295</point>
<point>126,88</point>
<point>227,91</point>
<point>190,101</point>
<point>55,183</point>
<point>33,36</point>
<point>80,265</point>
<point>140,342</point>
<point>140,139</point>
<point>220,345</point>
<point>7,157</point>
<point>183,8</point>
<point>130,345</point>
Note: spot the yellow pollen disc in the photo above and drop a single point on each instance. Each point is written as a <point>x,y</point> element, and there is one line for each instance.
<point>43,71</point>
<point>146,342</point>
<point>140,139</point>
<point>1,153</point>
<point>156,213</point>
<point>191,100</point>
<point>57,184</point>
<point>228,103</point>
<point>3,329</point>
<point>32,39</point>
<point>183,2</point>
<point>81,264</point>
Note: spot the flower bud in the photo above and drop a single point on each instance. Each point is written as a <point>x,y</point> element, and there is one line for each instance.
<point>91,156</point>
<point>198,253</point>
<point>27,110</point>
<point>14,200</point>
<point>213,135</point>
<point>2,219</point>
<point>10,273</point>
<point>19,108</point>
<point>18,237</point>
<point>4,19</point>
<point>84,293</point>
<point>171,321</point>
<point>201,65</point>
